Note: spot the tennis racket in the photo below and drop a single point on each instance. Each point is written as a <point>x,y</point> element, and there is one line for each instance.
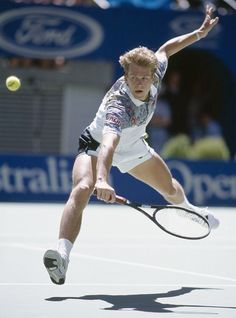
<point>174,220</point>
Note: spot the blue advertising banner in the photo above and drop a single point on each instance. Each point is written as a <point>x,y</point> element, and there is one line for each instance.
<point>39,31</point>
<point>35,178</point>
<point>206,183</point>
<point>48,179</point>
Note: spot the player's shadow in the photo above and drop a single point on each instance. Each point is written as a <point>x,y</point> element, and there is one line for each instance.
<point>145,302</point>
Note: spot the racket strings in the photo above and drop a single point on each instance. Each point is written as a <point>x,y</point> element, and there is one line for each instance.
<point>193,217</point>
<point>182,223</point>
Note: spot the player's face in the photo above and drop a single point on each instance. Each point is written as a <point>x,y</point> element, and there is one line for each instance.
<point>139,79</point>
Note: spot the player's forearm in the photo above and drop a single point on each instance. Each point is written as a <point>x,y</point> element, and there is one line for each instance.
<point>105,156</point>
<point>104,163</point>
<point>180,42</point>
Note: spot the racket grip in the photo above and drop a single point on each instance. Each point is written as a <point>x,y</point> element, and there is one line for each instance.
<point>119,199</point>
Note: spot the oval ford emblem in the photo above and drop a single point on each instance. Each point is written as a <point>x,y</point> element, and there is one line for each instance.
<point>187,23</point>
<point>39,32</point>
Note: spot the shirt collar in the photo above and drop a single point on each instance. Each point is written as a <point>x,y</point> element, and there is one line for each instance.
<point>136,101</point>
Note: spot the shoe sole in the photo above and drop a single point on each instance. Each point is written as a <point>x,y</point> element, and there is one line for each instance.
<point>213,222</point>
<point>48,260</point>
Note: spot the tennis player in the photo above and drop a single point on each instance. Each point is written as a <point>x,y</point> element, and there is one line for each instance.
<point>116,137</point>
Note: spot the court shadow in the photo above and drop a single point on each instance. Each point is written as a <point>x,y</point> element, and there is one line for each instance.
<point>145,302</point>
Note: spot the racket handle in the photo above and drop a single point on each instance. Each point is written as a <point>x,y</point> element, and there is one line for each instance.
<point>119,199</point>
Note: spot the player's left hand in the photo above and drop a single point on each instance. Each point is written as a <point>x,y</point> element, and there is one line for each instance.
<point>208,23</point>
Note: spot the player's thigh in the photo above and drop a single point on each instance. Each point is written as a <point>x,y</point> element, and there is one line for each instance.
<point>84,170</point>
<point>155,173</point>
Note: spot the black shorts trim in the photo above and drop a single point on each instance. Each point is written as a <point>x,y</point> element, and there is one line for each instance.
<point>87,143</point>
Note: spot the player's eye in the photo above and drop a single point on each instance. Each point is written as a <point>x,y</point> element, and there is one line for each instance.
<point>146,78</point>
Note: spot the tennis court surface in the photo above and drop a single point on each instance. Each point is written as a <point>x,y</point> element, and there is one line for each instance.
<point>122,265</point>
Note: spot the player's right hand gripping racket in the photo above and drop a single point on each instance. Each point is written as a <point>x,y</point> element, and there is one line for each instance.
<point>174,220</point>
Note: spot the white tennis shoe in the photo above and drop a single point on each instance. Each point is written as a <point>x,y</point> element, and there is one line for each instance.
<point>212,220</point>
<point>56,266</point>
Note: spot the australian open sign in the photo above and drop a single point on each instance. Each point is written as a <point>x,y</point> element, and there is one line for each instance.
<point>46,32</point>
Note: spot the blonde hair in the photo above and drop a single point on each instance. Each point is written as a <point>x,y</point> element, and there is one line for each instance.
<point>141,56</point>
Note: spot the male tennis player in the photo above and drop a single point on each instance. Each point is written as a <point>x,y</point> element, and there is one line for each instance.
<point>116,137</point>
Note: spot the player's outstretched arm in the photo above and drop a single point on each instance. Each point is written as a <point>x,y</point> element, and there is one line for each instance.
<point>178,43</point>
<point>104,161</point>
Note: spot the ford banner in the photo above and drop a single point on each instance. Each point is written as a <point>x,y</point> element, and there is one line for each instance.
<point>48,179</point>
<point>39,31</point>
<point>47,32</point>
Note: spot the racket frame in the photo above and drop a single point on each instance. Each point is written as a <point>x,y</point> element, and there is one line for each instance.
<point>139,207</point>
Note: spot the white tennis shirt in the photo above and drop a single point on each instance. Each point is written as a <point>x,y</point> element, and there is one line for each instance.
<point>121,113</point>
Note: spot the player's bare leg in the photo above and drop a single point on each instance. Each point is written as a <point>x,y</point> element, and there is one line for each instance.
<point>83,184</point>
<point>83,176</point>
<point>156,174</point>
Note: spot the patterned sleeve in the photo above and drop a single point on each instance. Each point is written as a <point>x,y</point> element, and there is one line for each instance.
<point>114,118</point>
<point>162,64</point>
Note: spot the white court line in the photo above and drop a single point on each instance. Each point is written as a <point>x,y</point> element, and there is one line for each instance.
<point>116,261</point>
<point>121,285</point>
<point>230,246</point>
<point>166,269</point>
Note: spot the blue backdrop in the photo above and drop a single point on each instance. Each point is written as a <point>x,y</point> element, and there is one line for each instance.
<point>46,32</point>
<point>48,179</point>
<point>82,32</point>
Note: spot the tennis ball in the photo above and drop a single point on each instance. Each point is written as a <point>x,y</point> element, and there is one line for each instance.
<point>13,83</point>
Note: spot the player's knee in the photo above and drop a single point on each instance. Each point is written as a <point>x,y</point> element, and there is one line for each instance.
<point>81,192</point>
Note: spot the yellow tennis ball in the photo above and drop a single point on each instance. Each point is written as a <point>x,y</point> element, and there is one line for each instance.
<point>13,83</point>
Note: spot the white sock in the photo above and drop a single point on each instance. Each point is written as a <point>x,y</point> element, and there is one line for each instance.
<point>64,248</point>
<point>186,204</point>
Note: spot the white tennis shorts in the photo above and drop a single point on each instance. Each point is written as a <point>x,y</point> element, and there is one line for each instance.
<point>125,157</point>
<point>132,156</point>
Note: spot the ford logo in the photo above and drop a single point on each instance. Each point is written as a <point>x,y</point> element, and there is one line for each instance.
<point>187,23</point>
<point>39,32</point>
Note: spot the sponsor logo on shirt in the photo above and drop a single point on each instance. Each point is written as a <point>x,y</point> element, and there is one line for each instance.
<point>113,119</point>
